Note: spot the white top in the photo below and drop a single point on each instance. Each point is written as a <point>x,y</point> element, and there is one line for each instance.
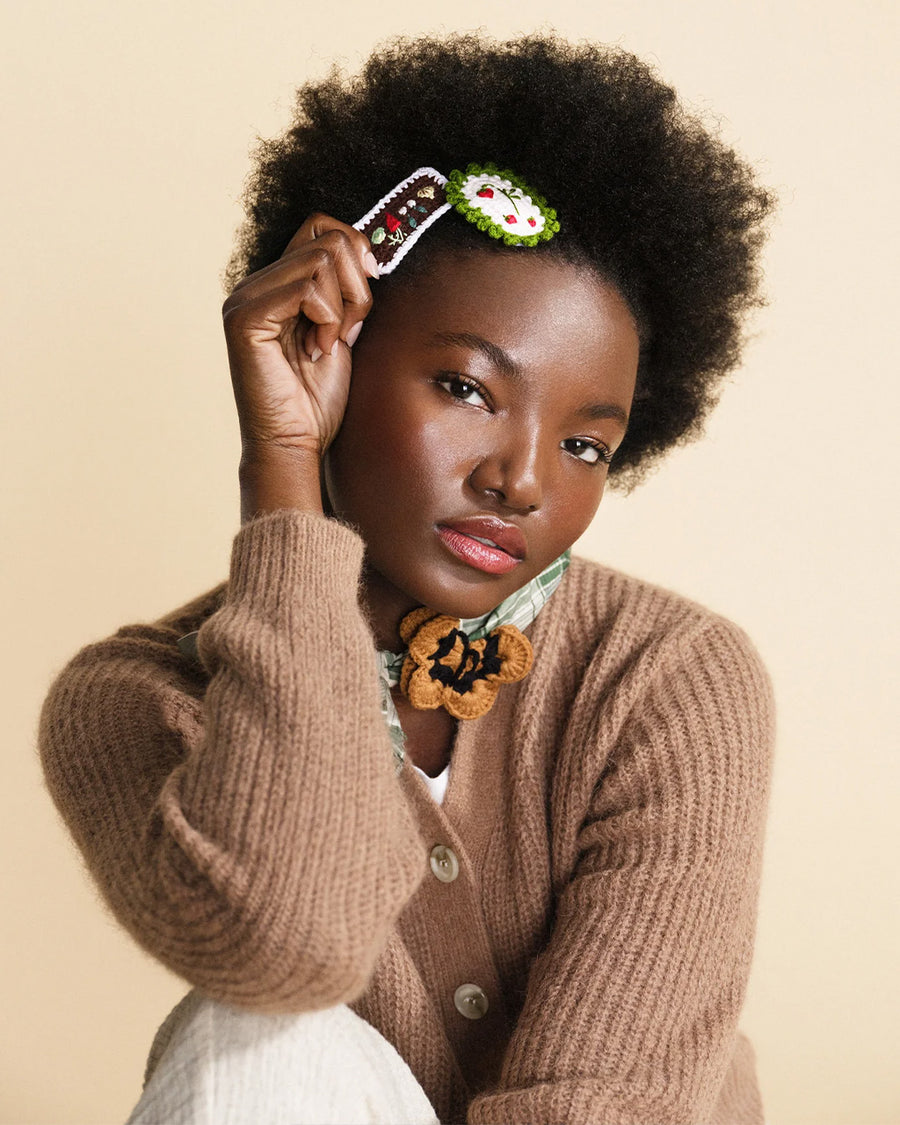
<point>437,786</point>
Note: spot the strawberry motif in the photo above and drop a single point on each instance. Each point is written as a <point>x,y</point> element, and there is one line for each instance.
<point>482,195</point>
<point>391,222</point>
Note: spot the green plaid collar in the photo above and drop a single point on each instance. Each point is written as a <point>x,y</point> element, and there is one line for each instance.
<point>519,609</point>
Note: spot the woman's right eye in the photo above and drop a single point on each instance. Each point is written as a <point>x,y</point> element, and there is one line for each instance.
<point>462,388</point>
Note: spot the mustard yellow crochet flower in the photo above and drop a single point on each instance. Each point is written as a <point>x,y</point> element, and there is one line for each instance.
<point>446,669</point>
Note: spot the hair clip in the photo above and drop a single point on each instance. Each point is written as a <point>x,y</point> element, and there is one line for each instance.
<point>501,205</point>
<point>497,202</point>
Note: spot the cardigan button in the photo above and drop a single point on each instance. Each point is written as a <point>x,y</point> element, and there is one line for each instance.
<point>470,1001</point>
<point>188,644</point>
<point>444,863</point>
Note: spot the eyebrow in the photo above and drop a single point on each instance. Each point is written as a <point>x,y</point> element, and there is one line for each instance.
<point>500,359</point>
<point>504,363</point>
<point>603,410</point>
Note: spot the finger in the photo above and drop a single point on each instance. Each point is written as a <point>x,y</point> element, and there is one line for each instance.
<point>315,227</point>
<point>356,294</point>
<point>267,315</point>
<point>319,224</point>
<point>353,284</point>
<point>331,253</point>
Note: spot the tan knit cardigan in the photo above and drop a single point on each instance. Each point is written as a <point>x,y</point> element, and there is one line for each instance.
<point>243,820</point>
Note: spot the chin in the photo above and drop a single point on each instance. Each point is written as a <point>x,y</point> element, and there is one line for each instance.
<point>468,600</point>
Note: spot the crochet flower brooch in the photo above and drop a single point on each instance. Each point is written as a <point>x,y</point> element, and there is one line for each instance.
<point>444,668</point>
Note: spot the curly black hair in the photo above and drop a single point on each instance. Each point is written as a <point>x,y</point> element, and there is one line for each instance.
<point>647,195</point>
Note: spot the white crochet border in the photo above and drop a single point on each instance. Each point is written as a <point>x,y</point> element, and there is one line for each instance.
<point>404,248</point>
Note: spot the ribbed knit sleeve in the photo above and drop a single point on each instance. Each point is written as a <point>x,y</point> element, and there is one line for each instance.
<point>246,824</point>
<point>631,1010</point>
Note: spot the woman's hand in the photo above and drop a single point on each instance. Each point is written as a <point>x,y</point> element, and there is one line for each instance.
<point>289,329</point>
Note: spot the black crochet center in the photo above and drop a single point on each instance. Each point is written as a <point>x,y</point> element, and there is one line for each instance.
<point>473,666</point>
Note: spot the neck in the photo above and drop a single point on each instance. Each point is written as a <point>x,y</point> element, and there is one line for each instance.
<point>385,607</point>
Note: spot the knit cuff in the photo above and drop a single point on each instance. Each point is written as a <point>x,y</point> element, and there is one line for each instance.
<point>289,551</point>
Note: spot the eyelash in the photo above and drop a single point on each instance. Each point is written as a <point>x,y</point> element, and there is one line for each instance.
<point>604,455</point>
<point>451,379</point>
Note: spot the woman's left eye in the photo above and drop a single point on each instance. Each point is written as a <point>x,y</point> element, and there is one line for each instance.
<point>462,389</point>
<point>589,451</point>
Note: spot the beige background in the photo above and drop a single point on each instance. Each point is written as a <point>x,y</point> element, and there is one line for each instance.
<point>125,157</point>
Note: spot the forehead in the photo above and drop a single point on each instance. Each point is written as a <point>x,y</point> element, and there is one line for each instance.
<point>548,316</point>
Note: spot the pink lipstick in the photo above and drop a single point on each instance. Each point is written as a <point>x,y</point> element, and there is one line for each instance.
<point>485,543</point>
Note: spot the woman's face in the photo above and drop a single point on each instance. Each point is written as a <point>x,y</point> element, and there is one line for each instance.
<point>483,402</point>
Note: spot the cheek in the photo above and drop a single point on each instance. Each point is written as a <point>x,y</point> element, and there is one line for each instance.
<point>412,451</point>
<point>392,457</point>
<point>574,507</point>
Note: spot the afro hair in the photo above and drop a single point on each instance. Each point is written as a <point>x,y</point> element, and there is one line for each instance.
<point>647,196</point>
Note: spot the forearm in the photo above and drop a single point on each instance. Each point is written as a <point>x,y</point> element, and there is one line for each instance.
<point>251,835</point>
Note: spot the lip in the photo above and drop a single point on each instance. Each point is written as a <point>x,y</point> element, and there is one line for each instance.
<point>459,536</point>
<point>506,535</point>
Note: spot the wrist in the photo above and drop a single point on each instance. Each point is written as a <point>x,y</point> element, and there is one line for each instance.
<point>276,477</point>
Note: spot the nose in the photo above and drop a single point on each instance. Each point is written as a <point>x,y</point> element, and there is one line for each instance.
<point>511,474</point>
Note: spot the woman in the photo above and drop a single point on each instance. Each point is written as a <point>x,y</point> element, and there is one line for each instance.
<point>411,758</point>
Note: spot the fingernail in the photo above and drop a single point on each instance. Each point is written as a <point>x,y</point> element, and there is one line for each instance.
<point>334,348</point>
<point>371,265</point>
<point>353,334</point>
<point>316,352</point>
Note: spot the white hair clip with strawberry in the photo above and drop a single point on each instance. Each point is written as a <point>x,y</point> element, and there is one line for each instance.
<point>501,205</point>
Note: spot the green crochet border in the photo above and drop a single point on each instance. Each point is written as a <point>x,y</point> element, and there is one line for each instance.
<point>453,189</point>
